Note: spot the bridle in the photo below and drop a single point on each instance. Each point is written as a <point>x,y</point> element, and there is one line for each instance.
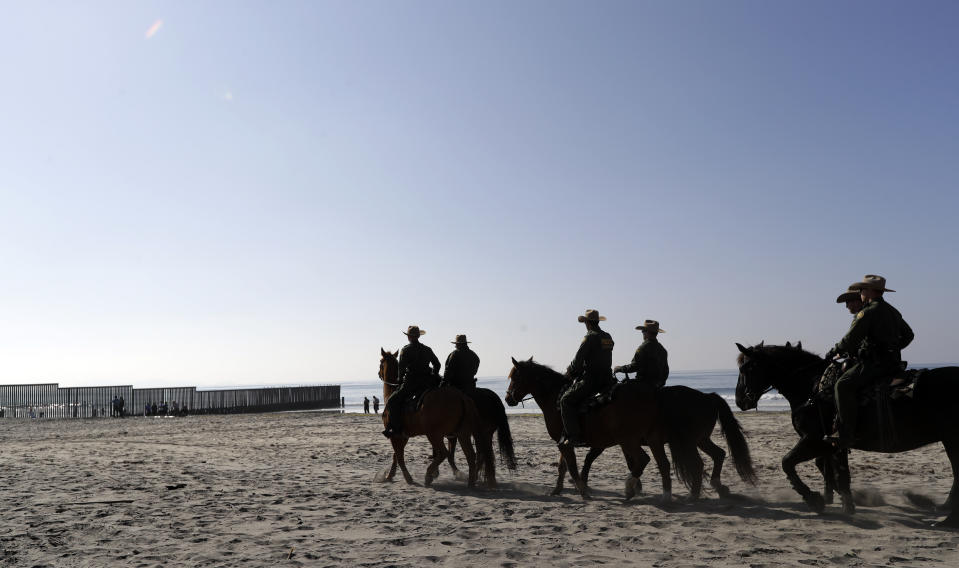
<point>382,378</point>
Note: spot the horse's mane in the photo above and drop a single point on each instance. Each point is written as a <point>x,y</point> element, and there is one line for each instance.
<point>787,354</point>
<point>542,372</point>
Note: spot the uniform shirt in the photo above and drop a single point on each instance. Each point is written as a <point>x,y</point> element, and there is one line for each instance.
<point>877,334</point>
<point>594,359</point>
<point>461,367</point>
<point>649,363</point>
<point>414,363</point>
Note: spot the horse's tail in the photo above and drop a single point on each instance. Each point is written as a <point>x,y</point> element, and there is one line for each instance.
<point>686,461</point>
<point>735,439</point>
<point>504,436</point>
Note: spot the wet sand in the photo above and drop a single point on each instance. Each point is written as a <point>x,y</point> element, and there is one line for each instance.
<point>246,490</point>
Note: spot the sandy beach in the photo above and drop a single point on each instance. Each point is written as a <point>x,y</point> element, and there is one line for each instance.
<point>247,490</point>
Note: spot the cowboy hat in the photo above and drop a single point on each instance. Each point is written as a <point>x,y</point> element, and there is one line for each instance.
<point>414,330</point>
<point>651,325</point>
<point>849,295</point>
<point>591,315</point>
<point>460,339</point>
<point>871,282</point>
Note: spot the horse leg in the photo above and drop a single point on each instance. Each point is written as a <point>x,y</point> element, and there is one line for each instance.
<point>591,455</point>
<point>471,460</point>
<point>840,464</point>
<point>451,440</point>
<point>569,456</point>
<point>485,457</point>
<point>636,461</point>
<point>439,454</point>
<point>662,462</point>
<point>952,451</point>
<point>399,444</point>
<point>828,478</point>
<point>389,476</point>
<point>451,448</point>
<point>952,519</point>
<point>805,450</point>
<point>562,474</point>
<point>718,455</point>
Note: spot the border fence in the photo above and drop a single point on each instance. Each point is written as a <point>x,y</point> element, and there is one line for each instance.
<point>49,400</point>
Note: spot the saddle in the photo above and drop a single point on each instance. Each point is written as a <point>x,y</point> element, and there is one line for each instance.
<point>900,386</point>
<point>599,399</point>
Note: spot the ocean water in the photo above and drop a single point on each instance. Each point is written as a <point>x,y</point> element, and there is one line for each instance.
<point>721,382</point>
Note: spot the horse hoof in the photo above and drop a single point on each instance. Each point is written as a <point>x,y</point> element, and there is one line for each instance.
<point>631,487</point>
<point>848,508</point>
<point>722,491</point>
<point>816,502</point>
<point>827,498</point>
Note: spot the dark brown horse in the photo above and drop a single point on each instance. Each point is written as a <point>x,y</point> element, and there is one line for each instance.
<point>931,415</point>
<point>492,420</point>
<point>691,415</point>
<point>630,420</point>
<point>442,412</point>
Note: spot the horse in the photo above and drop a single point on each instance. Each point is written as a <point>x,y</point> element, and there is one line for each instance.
<point>442,412</point>
<point>888,427</point>
<point>492,420</point>
<point>630,420</point>
<point>692,415</point>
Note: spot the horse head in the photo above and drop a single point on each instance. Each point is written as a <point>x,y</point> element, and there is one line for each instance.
<point>389,367</point>
<point>755,375</point>
<point>528,378</point>
<point>786,368</point>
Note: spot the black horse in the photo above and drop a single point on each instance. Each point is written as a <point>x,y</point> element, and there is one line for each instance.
<point>493,419</point>
<point>640,416</point>
<point>931,415</point>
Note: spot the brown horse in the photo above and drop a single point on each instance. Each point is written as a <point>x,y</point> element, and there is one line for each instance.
<point>630,420</point>
<point>442,412</point>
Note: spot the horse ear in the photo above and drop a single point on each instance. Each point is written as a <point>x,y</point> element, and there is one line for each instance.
<point>741,348</point>
<point>788,344</point>
<point>382,352</point>
<point>530,359</point>
<point>397,353</point>
<point>799,345</point>
<point>515,362</point>
<point>761,343</point>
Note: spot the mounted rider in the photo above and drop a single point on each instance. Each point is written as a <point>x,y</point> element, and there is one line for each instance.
<point>414,376</point>
<point>461,366</point>
<point>875,339</point>
<point>590,373</point>
<point>650,360</point>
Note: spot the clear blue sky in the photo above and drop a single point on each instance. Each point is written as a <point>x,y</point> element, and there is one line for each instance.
<point>250,192</point>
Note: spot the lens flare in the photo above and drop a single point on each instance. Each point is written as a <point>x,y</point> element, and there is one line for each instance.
<point>154,29</point>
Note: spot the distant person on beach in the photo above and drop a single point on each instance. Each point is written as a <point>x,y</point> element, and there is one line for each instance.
<point>877,336</point>
<point>590,371</point>
<point>414,376</point>
<point>461,366</point>
<point>366,405</point>
<point>153,409</point>
<point>650,360</point>
<point>376,405</point>
<point>176,408</point>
